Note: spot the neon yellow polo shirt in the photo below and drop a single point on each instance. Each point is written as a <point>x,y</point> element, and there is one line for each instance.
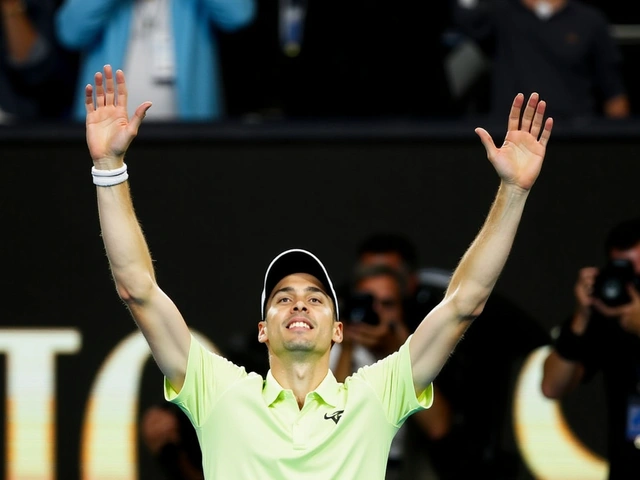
<point>251,428</point>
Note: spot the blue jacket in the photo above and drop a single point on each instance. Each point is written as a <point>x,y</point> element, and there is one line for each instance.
<point>100,29</point>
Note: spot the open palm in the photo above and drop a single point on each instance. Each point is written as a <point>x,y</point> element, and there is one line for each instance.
<point>109,131</point>
<point>519,160</point>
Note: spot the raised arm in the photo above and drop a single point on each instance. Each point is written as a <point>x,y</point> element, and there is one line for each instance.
<point>518,162</point>
<point>109,134</point>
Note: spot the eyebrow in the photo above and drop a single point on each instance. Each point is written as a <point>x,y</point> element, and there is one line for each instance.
<point>309,289</point>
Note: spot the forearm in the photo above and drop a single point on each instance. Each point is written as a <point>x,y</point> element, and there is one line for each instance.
<point>560,376</point>
<point>563,370</point>
<point>479,269</point>
<point>469,288</point>
<point>19,31</point>
<point>126,247</point>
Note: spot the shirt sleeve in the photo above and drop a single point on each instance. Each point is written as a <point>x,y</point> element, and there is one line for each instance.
<point>392,381</point>
<point>208,376</point>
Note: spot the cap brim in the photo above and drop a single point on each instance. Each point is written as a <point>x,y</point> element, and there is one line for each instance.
<point>296,261</point>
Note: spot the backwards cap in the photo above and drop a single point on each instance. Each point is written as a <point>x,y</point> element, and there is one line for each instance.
<point>296,261</point>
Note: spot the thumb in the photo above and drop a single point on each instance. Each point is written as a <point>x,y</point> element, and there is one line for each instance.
<point>138,116</point>
<point>487,141</point>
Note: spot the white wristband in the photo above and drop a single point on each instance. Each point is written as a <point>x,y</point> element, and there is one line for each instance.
<point>108,178</point>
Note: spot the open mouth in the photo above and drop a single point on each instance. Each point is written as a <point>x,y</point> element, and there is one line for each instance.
<point>299,324</point>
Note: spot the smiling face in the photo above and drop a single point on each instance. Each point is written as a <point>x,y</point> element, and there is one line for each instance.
<point>299,318</point>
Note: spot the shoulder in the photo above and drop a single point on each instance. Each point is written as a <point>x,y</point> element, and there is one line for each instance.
<point>588,13</point>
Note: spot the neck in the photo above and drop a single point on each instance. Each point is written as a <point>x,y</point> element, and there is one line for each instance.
<point>301,377</point>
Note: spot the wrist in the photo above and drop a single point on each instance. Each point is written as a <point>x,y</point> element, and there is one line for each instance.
<point>110,177</point>
<point>108,163</point>
<point>569,344</point>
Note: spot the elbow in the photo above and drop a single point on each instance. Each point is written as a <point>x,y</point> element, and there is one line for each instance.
<point>467,303</point>
<point>134,288</point>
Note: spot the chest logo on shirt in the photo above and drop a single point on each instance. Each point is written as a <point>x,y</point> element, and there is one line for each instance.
<point>335,416</point>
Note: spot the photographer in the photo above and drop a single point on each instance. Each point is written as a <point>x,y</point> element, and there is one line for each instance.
<point>604,334</point>
<point>374,326</point>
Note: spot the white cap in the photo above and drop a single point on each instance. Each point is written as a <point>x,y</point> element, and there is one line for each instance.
<point>296,261</point>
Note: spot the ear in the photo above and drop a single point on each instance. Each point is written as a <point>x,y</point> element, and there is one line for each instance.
<point>262,332</point>
<point>337,332</point>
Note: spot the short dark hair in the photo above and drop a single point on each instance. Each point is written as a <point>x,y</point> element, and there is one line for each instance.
<point>364,272</point>
<point>390,243</point>
<point>623,236</point>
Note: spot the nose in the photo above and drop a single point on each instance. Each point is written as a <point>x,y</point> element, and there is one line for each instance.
<point>299,306</point>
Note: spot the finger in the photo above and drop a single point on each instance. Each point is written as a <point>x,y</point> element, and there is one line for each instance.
<point>138,116</point>
<point>88,98</point>
<point>529,111</point>
<point>109,86</point>
<point>536,126</point>
<point>487,141</point>
<point>514,114</point>
<point>546,133</point>
<point>99,90</point>
<point>122,89</point>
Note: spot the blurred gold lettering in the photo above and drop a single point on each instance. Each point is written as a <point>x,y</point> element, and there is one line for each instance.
<point>31,398</point>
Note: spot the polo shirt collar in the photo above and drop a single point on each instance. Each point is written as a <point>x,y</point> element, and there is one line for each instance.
<point>327,390</point>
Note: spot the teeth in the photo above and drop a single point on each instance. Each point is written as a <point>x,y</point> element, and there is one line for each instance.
<point>299,325</point>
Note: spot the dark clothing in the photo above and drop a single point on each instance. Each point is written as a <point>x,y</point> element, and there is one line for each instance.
<point>487,359</point>
<point>168,459</point>
<point>570,59</point>
<point>41,88</point>
<point>606,347</point>
<point>358,59</point>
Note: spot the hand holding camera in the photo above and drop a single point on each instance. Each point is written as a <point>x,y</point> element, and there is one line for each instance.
<point>616,293</point>
<point>612,283</point>
<point>365,327</point>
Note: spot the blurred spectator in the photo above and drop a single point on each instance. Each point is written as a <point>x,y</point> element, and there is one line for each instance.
<point>562,49</point>
<point>167,47</point>
<point>170,438</point>
<point>480,402</point>
<point>167,433</point>
<point>374,327</point>
<point>603,335</point>
<point>333,59</point>
<point>35,73</point>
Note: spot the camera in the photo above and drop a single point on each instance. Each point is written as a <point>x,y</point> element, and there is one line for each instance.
<point>358,308</point>
<point>610,285</point>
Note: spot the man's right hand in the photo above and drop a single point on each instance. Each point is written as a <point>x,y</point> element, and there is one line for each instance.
<point>109,131</point>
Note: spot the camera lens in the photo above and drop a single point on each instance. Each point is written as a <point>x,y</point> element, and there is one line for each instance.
<point>611,283</point>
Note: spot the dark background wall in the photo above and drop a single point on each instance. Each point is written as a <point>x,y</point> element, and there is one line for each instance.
<point>218,202</point>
